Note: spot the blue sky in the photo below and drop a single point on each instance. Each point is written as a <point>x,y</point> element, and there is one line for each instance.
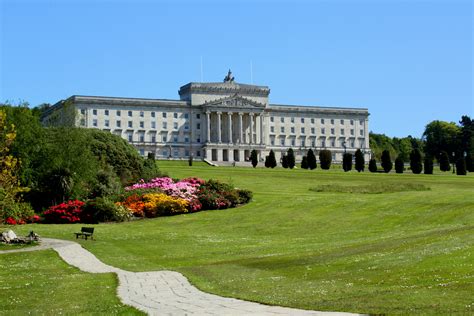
<point>408,62</point>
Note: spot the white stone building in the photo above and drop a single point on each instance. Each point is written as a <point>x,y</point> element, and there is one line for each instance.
<point>222,122</point>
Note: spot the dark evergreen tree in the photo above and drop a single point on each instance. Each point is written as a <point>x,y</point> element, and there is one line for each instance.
<point>428,165</point>
<point>347,162</point>
<point>444,161</point>
<point>399,165</point>
<point>415,161</point>
<point>254,158</point>
<point>304,163</point>
<point>386,161</point>
<point>290,156</point>
<point>325,159</point>
<point>372,165</point>
<point>461,166</point>
<point>311,158</point>
<point>359,160</point>
<point>284,161</point>
<point>272,163</point>
<point>470,163</point>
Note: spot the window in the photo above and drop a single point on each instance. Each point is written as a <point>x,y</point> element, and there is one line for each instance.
<point>141,137</point>
<point>165,153</point>
<point>198,116</point>
<point>186,139</point>
<point>361,122</point>
<point>352,144</point>
<point>303,143</point>
<point>198,126</point>
<point>83,111</point>
<point>312,121</point>
<point>164,114</point>
<point>130,113</point>
<point>323,130</point>
<point>333,143</point>
<point>342,122</point>
<point>165,139</point>
<point>292,130</point>
<point>342,131</point>
<point>153,138</point>
<point>142,114</point>
<point>332,121</point>
<point>175,138</point>
<point>322,121</point>
<point>130,124</point>
<point>106,123</point>
<point>352,132</point>
<point>106,112</point>
<point>313,130</point>
<point>352,122</point>
<point>293,143</point>
<point>142,124</point>
<point>94,112</point>
<point>186,153</point>
<point>282,142</point>
<point>302,120</point>
<point>323,143</point>
<point>186,115</point>
<point>118,124</point>
<point>176,153</point>
<point>198,140</point>
<point>282,119</point>
<point>175,125</point>
<point>130,137</point>
<point>272,129</point>
<point>332,131</point>
<point>153,125</point>
<point>361,132</point>
<point>118,113</point>
<point>175,115</point>
<point>272,142</point>
<point>165,125</point>
<point>152,114</point>
<point>198,153</point>
<point>186,127</point>
<point>313,143</point>
<point>292,120</point>
<point>272,119</point>
<point>282,129</point>
<point>302,130</point>
<point>83,122</point>
<point>142,152</point>
<point>94,122</point>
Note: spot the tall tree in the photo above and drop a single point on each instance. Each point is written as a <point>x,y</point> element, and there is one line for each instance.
<point>304,163</point>
<point>347,162</point>
<point>325,159</point>
<point>290,156</point>
<point>441,136</point>
<point>254,158</point>
<point>272,163</point>
<point>399,165</point>
<point>428,165</point>
<point>444,161</point>
<point>386,161</point>
<point>415,161</point>
<point>284,161</point>
<point>311,160</point>
<point>461,166</point>
<point>467,141</point>
<point>359,160</point>
<point>372,165</point>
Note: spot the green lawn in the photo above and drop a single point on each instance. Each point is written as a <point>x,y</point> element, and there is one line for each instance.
<point>410,251</point>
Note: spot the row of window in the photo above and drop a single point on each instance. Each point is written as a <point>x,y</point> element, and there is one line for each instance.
<point>175,153</point>
<point>141,124</point>
<point>323,121</point>
<point>313,131</point>
<point>141,137</point>
<point>302,143</point>
<point>141,113</point>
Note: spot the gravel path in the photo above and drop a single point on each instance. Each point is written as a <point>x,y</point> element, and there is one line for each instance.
<point>162,292</point>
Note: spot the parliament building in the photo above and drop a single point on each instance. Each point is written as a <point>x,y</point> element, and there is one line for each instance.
<point>222,122</point>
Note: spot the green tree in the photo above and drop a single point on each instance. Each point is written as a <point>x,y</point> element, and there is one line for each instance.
<point>254,158</point>
<point>284,161</point>
<point>428,165</point>
<point>444,161</point>
<point>359,161</point>
<point>304,163</point>
<point>290,156</point>
<point>386,161</point>
<point>461,166</point>
<point>272,163</point>
<point>311,160</point>
<point>467,141</point>
<point>325,159</point>
<point>399,165</point>
<point>415,161</point>
<point>347,162</point>
<point>441,136</point>
<point>372,165</point>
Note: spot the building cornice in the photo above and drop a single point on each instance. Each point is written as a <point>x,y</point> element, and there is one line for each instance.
<point>316,109</point>
<point>224,88</point>
<point>79,99</point>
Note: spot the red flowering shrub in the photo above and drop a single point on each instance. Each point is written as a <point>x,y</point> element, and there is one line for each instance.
<point>10,221</point>
<point>64,213</point>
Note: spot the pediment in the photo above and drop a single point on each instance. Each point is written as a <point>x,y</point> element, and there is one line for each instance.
<point>235,102</point>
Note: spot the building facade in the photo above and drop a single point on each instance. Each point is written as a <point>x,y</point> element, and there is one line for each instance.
<point>222,122</point>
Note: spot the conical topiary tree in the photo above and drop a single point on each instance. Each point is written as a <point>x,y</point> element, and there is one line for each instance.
<point>325,158</point>
<point>347,162</point>
<point>290,156</point>
<point>304,163</point>
<point>254,158</point>
<point>461,166</point>
<point>428,165</point>
<point>267,162</point>
<point>372,165</point>
<point>272,163</point>
<point>399,165</point>
<point>284,161</point>
<point>386,161</point>
<point>311,158</point>
<point>444,161</point>
<point>359,160</point>
<point>470,162</point>
<point>415,161</point>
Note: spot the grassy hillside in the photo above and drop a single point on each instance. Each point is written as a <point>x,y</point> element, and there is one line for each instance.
<point>324,240</point>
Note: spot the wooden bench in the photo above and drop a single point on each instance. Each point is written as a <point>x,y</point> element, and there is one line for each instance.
<point>85,232</point>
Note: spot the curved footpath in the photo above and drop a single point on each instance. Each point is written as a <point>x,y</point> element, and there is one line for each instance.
<point>162,292</point>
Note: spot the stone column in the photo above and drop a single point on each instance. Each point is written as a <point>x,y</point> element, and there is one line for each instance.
<point>208,119</point>
<point>229,120</point>
<point>261,129</point>
<point>241,135</point>
<point>219,140</point>
<point>251,128</point>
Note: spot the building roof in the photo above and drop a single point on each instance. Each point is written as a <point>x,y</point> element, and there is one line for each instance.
<point>224,87</point>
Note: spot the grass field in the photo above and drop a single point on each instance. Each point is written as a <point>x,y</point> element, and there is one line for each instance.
<point>335,248</point>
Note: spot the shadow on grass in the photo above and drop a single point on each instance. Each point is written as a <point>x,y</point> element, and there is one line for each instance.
<point>373,188</point>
